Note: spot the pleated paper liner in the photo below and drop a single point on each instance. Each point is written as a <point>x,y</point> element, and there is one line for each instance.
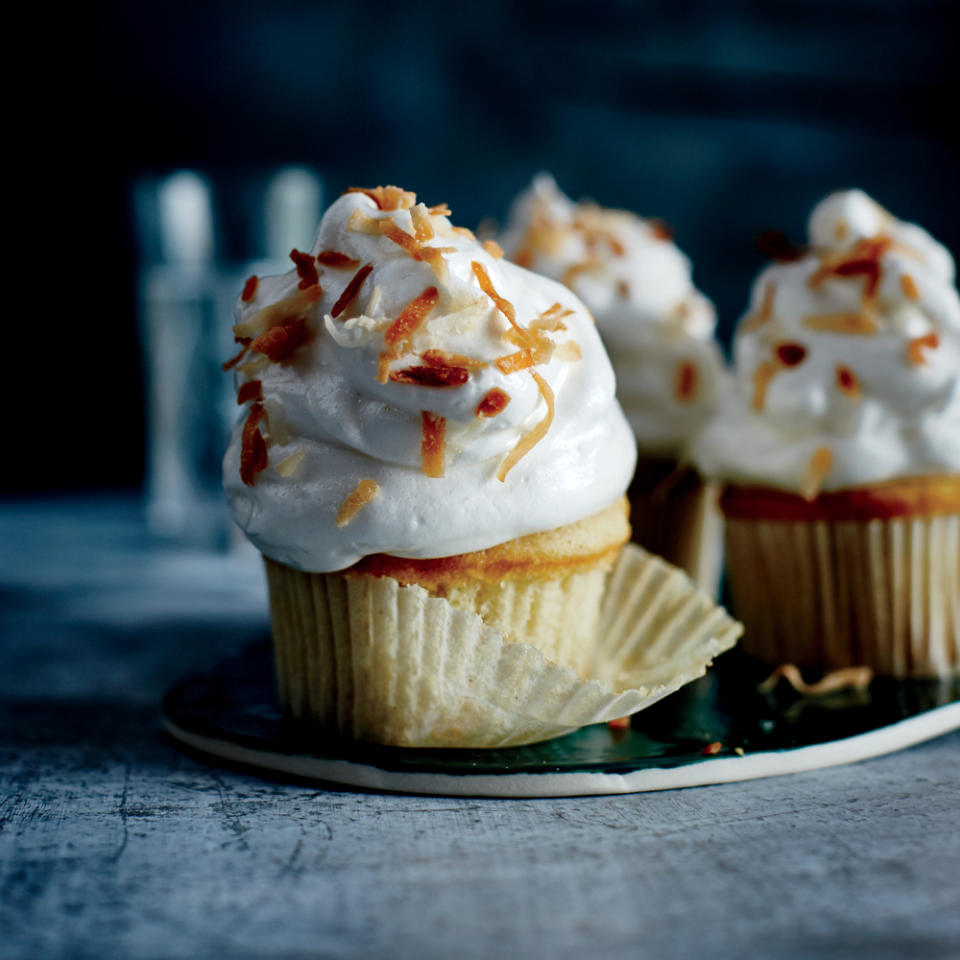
<point>675,514</point>
<point>883,593</point>
<point>560,617</point>
<point>376,661</point>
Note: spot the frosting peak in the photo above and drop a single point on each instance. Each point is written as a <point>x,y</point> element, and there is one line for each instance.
<point>459,400</point>
<point>658,327</point>
<point>847,361</point>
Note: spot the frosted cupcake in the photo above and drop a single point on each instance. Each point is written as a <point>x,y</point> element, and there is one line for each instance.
<point>841,450</point>
<point>658,329</point>
<point>433,463</point>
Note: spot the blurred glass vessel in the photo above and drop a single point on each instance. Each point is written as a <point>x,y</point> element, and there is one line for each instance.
<point>198,241</point>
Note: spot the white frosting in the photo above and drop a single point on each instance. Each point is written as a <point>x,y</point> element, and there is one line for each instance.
<point>326,403</point>
<point>904,420</point>
<point>638,285</point>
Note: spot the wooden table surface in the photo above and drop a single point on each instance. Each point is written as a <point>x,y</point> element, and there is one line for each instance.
<point>115,843</point>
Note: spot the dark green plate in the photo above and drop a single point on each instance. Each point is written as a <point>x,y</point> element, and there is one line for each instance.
<point>231,712</point>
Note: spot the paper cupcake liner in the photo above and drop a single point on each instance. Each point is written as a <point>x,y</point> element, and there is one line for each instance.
<point>879,593</point>
<point>560,617</point>
<point>675,514</point>
<point>376,661</point>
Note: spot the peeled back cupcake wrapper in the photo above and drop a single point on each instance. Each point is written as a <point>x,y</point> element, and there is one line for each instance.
<point>376,661</point>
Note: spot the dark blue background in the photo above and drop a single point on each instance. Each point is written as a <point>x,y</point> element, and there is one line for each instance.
<point>722,118</point>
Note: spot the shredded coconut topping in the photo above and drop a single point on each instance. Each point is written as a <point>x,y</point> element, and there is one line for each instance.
<point>366,492</point>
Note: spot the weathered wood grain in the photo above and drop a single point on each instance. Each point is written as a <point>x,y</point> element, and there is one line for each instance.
<point>115,843</point>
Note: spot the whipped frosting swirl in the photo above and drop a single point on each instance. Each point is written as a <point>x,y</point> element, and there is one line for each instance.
<point>354,409</point>
<point>847,361</point>
<point>658,327</point>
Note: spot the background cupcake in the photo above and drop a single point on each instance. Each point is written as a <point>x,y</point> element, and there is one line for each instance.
<point>841,448</point>
<point>658,329</point>
<point>420,411</point>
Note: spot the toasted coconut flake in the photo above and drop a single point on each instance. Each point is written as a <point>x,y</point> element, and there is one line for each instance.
<point>399,334</point>
<point>233,361</point>
<point>396,198</point>
<point>279,342</point>
<point>413,314</point>
<point>551,319</point>
<point>359,222</point>
<point>820,465</point>
<point>444,358</point>
<point>367,490</point>
<point>662,230</point>
<point>541,352</point>
<point>335,259</point>
<point>712,749</point>
<point>434,257</point>
<point>858,678</point>
<point>863,260</point>
<point>909,287</point>
<point>493,248</point>
<point>433,444</point>
<point>762,376</point>
<point>373,304</point>
<point>276,426</point>
<point>370,193</point>
<point>568,351</point>
<point>521,360</point>
<point>277,313</point>
<point>548,324</point>
<point>254,366</point>
<point>306,268</point>
<point>427,376</point>
<point>439,210</point>
<point>790,354</point>
<point>541,344</point>
<point>400,237</point>
<point>251,390</point>
<point>841,230</point>
<point>542,236</point>
<point>847,382</point>
<point>774,245</point>
<point>250,289</point>
<point>422,224</point>
<point>503,305</point>
<point>615,245</point>
<point>383,365</point>
<point>764,314</point>
<point>531,439</point>
<point>351,290</point>
<point>253,448</point>
<point>465,232</point>
<point>686,381</point>
<point>287,467</point>
<point>388,198</point>
<point>493,402</point>
<point>623,289</point>
<point>917,346</point>
<point>854,324</point>
<point>572,272</point>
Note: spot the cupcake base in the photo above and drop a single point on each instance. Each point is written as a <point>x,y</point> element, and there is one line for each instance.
<point>818,591</point>
<point>371,659</point>
<point>674,514</point>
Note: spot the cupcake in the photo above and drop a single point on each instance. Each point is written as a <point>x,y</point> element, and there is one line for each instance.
<point>433,463</point>
<point>658,329</point>
<point>840,448</point>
